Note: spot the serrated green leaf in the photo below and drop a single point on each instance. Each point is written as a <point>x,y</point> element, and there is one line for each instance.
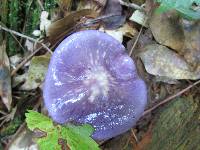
<point>81,135</point>
<point>49,142</point>
<point>77,137</point>
<point>36,120</point>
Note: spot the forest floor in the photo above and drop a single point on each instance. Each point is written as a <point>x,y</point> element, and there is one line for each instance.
<point>165,47</point>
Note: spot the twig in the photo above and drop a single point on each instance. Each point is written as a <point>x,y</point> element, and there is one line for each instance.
<point>132,5</point>
<point>17,41</point>
<point>14,37</point>
<point>3,113</point>
<point>134,135</point>
<point>40,3</point>
<point>25,61</point>
<point>138,36</point>
<point>170,98</point>
<point>26,37</point>
<point>98,19</point>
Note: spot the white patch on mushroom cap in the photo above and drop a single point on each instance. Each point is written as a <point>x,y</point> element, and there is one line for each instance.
<point>97,78</point>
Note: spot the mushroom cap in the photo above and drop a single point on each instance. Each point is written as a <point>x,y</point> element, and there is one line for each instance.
<point>91,79</point>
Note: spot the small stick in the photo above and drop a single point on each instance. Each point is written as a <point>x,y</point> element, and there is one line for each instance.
<point>130,53</point>
<point>98,19</point>
<point>40,3</point>
<point>134,135</point>
<point>168,99</point>
<point>26,37</point>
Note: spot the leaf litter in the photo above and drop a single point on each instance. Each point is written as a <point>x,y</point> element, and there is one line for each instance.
<point>171,56</point>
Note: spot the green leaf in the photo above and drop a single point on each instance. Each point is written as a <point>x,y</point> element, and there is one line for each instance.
<point>76,137</point>
<point>184,7</point>
<point>80,135</point>
<point>36,120</point>
<point>49,142</point>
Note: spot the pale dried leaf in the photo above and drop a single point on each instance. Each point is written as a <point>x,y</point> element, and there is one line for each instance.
<point>139,17</point>
<point>126,30</point>
<point>5,78</point>
<point>36,72</point>
<point>161,61</point>
<point>96,5</point>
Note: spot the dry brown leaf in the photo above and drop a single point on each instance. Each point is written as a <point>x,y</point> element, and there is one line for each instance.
<point>5,78</point>
<point>113,7</point>
<point>167,30</point>
<point>161,61</point>
<point>61,28</point>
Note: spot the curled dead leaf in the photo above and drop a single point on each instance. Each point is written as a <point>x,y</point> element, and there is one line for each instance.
<point>113,7</point>
<point>5,78</point>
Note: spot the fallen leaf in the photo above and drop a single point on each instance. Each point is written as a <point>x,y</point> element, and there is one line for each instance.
<point>96,5</point>
<point>126,30</point>
<point>139,17</point>
<point>61,28</point>
<point>161,61</point>
<point>167,30</point>
<point>77,137</point>
<point>36,72</point>
<point>192,42</point>
<point>113,7</point>
<point>5,78</point>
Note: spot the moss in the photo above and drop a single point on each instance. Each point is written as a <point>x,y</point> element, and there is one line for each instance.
<point>178,127</point>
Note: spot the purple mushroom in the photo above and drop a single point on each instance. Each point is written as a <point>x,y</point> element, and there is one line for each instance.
<point>91,79</point>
